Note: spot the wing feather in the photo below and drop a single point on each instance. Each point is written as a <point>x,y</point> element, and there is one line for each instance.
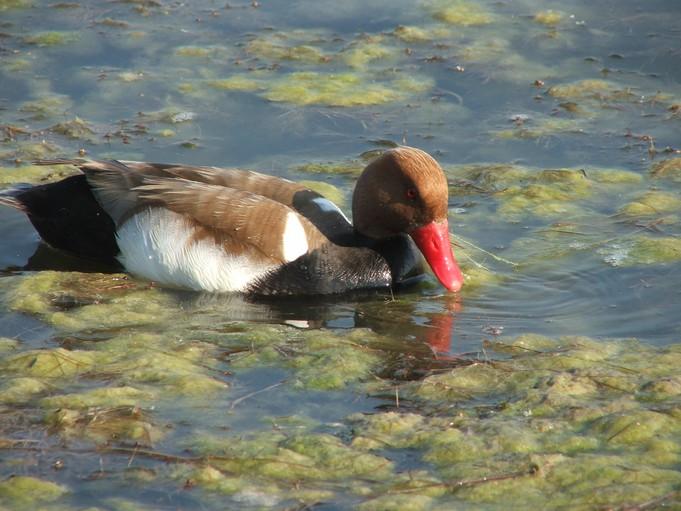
<point>236,217</point>
<point>240,209</point>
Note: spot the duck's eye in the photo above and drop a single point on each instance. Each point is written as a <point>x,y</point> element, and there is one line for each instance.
<point>411,193</point>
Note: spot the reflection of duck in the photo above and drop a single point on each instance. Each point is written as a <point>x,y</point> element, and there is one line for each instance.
<point>222,230</point>
<point>407,330</point>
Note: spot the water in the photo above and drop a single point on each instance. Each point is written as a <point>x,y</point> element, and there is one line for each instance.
<point>483,86</point>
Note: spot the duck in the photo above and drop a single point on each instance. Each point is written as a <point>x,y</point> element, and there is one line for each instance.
<point>227,230</point>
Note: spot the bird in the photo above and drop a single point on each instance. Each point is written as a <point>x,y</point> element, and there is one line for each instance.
<point>226,230</point>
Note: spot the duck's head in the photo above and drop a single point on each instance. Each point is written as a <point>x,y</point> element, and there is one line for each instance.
<point>405,191</point>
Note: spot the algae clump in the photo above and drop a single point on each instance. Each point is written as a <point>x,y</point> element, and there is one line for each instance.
<point>91,300</point>
<point>633,428</point>
<point>126,424</point>
<point>309,456</point>
<point>339,461</point>
<point>34,173</point>
<point>359,56</point>
<point>343,168</point>
<point>549,192</point>
<point>398,503</point>
<point>343,89</point>
<point>477,277</point>
<point>53,38</point>
<point>412,34</point>
<point>652,203</point>
<point>413,85</point>
<point>541,127</point>
<point>647,250</point>
<point>27,492</point>
<point>102,397</point>
<point>50,363</point>
<point>17,65</point>
<point>549,17</point>
<point>272,51</point>
<point>8,345</point>
<point>462,13</point>
<point>583,89</point>
<point>20,390</point>
<point>192,51</point>
<point>13,4</point>
<point>333,193</point>
<point>76,128</point>
<point>47,106</point>
<point>236,82</point>
<point>669,168</point>
<point>614,176</point>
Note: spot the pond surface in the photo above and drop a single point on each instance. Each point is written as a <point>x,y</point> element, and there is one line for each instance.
<point>553,380</point>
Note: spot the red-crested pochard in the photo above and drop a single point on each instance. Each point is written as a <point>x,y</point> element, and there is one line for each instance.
<point>228,230</point>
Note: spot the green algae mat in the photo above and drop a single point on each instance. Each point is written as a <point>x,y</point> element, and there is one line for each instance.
<point>553,381</point>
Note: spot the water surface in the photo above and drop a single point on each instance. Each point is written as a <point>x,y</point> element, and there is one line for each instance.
<point>558,127</point>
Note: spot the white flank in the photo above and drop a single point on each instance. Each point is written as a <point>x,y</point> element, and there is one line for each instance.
<point>329,207</point>
<point>156,244</point>
<point>294,239</point>
<point>297,323</point>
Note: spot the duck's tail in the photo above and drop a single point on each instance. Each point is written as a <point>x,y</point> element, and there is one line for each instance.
<point>12,196</point>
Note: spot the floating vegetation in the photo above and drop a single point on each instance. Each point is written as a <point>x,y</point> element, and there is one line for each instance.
<point>20,390</point>
<point>76,128</point>
<point>127,304</point>
<point>480,178</point>
<point>50,105</point>
<point>540,127</point>
<point>51,38</point>
<point>364,52</point>
<point>168,116</point>
<point>119,395</point>
<point>130,76</point>
<point>476,276</point>
<point>236,82</point>
<point>461,12</point>
<point>550,18</point>
<point>485,50</point>
<point>33,173</point>
<point>345,89</point>
<point>113,23</point>
<point>27,492</point>
<point>647,250</point>
<point>344,360</point>
<point>601,90</point>
<point>558,404</point>
<point>16,65</point>
<point>13,4</point>
<point>192,51</point>
<point>343,168</point>
<point>413,34</point>
<point>669,168</point>
<point>333,193</point>
<point>28,150</point>
<point>613,176</point>
<point>652,203</point>
<point>269,50</point>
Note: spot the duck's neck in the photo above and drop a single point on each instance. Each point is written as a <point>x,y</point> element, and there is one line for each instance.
<point>401,254</point>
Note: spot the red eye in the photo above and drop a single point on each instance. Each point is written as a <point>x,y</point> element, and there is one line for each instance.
<point>411,193</point>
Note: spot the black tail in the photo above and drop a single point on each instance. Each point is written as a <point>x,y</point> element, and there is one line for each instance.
<point>67,217</point>
<point>8,196</point>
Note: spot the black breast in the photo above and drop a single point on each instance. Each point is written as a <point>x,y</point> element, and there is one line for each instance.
<point>336,269</point>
